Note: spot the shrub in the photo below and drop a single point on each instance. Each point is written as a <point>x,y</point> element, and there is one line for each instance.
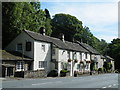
<point>101,70</point>
<point>69,60</point>
<point>76,61</point>
<point>63,72</point>
<point>116,71</point>
<point>53,73</point>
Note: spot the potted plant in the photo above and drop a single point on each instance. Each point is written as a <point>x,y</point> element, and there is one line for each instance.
<point>63,72</point>
<point>81,61</point>
<point>75,60</point>
<point>69,60</point>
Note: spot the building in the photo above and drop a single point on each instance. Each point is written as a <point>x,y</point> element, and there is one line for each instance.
<point>110,60</point>
<point>46,53</point>
<point>12,62</point>
<point>94,55</point>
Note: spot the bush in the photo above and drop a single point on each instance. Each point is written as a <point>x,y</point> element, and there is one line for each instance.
<point>53,73</point>
<point>63,73</point>
<point>101,70</point>
<point>116,71</point>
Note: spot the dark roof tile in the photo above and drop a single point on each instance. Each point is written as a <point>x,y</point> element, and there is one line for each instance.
<point>59,43</point>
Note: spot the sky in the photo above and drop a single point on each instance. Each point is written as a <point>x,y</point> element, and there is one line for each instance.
<point>100,16</point>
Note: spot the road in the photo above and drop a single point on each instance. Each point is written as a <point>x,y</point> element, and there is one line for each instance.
<point>94,81</point>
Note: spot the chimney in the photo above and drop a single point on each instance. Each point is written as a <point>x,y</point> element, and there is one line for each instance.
<point>62,37</point>
<point>81,40</point>
<point>42,31</point>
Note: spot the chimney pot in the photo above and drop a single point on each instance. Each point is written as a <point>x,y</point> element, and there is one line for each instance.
<point>42,30</point>
<point>62,37</point>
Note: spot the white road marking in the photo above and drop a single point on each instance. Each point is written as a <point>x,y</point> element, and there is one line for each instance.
<point>47,83</point>
<point>104,87</point>
<point>110,86</point>
<point>114,84</point>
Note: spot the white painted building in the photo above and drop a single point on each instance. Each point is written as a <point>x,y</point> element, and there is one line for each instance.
<point>50,53</point>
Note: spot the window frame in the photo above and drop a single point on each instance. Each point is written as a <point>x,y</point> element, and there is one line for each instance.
<point>43,48</point>
<point>28,46</point>
<point>86,55</point>
<point>42,64</point>
<point>20,66</point>
<point>18,46</point>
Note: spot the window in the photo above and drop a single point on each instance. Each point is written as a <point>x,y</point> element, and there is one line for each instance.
<point>43,48</point>
<point>19,47</point>
<point>42,64</point>
<point>80,56</point>
<point>19,66</point>
<point>87,65</point>
<point>74,55</point>
<point>28,46</point>
<point>68,54</point>
<point>86,55</point>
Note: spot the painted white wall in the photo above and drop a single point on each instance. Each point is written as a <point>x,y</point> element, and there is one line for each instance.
<point>40,55</point>
<point>113,65</point>
<point>22,38</point>
<point>100,61</point>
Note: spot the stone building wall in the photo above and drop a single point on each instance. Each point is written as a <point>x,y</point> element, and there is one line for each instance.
<point>35,74</point>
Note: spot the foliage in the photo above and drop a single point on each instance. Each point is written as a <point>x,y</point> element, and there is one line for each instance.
<point>66,24</point>
<point>28,15</point>
<point>101,70</point>
<point>17,16</point>
<point>107,66</point>
<point>63,72</point>
<point>52,73</point>
<point>114,51</point>
<point>92,65</point>
<point>73,30</point>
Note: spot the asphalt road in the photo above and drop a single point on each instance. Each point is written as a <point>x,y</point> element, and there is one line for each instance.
<point>95,81</point>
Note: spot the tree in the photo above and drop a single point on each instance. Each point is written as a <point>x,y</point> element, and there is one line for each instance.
<point>48,25</point>
<point>114,52</point>
<point>17,16</point>
<point>66,24</point>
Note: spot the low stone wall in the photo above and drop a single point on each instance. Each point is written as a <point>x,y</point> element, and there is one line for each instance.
<point>35,74</point>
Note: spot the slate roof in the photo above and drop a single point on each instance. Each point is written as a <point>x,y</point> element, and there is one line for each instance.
<point>89,48</point>
<point>59,43</point>
<point>13,55</point>
<point>108,57</point>
<point>103,57</point>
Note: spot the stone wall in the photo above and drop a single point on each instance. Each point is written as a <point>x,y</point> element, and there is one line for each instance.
<point>35,74</point>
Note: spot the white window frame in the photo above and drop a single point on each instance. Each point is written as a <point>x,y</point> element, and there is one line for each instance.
<point>42,64</point>
<point>20,66</point>
<point>86,55</point>
<point>43,47</point>
<point>75,55</point>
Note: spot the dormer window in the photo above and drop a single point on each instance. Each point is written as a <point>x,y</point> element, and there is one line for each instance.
<point>19,47</point>
<point>28,46</point>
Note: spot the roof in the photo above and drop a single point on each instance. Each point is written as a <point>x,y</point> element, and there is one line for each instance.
<point>75,46</point>
<point>108,57</point>
<point>103,57</point>
<point>89,48</point>
<point>59,43</point>
<point>13,55</point>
